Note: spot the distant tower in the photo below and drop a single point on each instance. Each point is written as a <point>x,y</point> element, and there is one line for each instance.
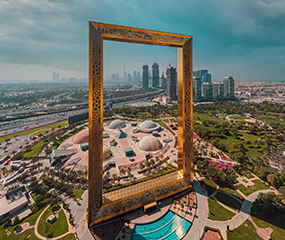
<point>55,77</point>
<point>207,77</point>
<point>155,75</point>
<point>218,91</point>
<point>171,83</point>
<point>229,87</point>
<point>145,76</point>
<point>197,89</point>
<point>125,74</point>
<point>163,81</point>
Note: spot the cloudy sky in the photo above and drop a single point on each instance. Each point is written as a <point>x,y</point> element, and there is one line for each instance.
<point>244,38</point>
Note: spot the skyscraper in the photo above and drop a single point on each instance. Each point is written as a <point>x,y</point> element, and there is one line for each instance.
<point>145,76</point>
<point>155,75</point>
<point>197,89</point>
<point>125,74</point>
<point>218,91</point>
<point>200,73</point>
<point>207,91</point>
<point>171,83</point>
<point>55,77</point>
<point>163,81</point>
<point>207,77</point>
<point>229,87</point>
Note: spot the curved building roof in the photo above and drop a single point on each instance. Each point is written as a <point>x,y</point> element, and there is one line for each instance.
<point>106,153</point>
<point>149,143</point>
<point>148,126</point>
<point>81,137</point>
<point>117,123</point>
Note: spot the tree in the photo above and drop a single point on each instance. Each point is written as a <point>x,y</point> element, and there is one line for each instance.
<point>16,220</point>
<point>274,180</point>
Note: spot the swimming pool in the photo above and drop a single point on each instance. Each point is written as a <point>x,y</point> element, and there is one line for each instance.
<point>169,227</point>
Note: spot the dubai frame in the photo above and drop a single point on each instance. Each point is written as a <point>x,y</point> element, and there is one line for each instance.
<point>100,208</point>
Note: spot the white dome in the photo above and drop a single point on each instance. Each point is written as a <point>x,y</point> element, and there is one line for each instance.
<point>117,123</point>
<point>149,143</point>
<point>148,124</point>
<point>106,153</point>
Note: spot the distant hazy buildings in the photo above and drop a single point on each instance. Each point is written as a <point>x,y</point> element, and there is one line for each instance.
<point>145,76</point>
<point>205,90</point>
<point>155,75</point>
<point>171,83</point>
<point>55,77</point>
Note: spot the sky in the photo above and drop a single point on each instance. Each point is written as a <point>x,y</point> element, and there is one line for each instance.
<point>244,38</point>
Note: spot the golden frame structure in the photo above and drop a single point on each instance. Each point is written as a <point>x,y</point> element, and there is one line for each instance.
<point>97,33</point>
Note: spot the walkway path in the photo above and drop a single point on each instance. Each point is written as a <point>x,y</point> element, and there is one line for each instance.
<point>199,222</point>
<point>264,233</point>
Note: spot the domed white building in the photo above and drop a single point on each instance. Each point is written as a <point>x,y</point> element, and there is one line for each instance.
<point>107,153</point>
<point>148,126</point>
<point>149,143</point>
<point>117,123</point>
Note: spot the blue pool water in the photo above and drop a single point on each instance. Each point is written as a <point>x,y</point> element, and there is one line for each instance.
<point>169,227</point>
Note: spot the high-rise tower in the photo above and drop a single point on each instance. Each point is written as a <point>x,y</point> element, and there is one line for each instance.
<point>155,75</point>
<point>171,83</point>
<point>197,89</point>
<point>229,87</point>
<point>145,76</point>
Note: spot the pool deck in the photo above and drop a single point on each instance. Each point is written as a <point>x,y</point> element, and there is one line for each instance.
<point>167,204</point>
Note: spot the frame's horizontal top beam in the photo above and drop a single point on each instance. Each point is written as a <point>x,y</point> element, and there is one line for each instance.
<point>137,35</point>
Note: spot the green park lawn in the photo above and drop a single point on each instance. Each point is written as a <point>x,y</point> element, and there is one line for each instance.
<point>276,222</point>
<point>210,186</point>
<point>31,219</point>
<point>205,116</point>
<point>162,123</point>
<point>173,120</point>
<point>56,229</point>
<point>239,118</point>
<point>78,193</point>
<point>245,231</point>
<point>270,120</point>
<point>217,212</point>
<point>258,185</point>
<point>28,132</point>
<point>231,191</point>
<point>228,201</point>
<point>35,150</point>
<point>69,237</point>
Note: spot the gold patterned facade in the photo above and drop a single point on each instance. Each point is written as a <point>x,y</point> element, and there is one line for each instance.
<point>99,207</point>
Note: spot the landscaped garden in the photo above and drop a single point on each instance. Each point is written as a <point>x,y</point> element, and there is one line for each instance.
<point>228,201</point>
<point>245,231</point>
<point>218,212</point>
<point>258,185</point>
<point>55,229</point>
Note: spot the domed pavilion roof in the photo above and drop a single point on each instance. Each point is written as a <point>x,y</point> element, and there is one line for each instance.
<point>149,143</point>
<point>117,123</point>
<point>106,152</point>
<point>81,137</point>
<point>148,126</point>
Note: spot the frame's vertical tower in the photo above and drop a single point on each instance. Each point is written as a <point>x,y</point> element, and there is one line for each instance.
<point>95,168</point>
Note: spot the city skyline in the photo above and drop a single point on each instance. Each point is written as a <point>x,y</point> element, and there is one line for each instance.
<point>244,39</point>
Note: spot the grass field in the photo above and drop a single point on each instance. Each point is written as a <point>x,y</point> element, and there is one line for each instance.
<point>58,228</point>
<point>34,151</point>
<point>78,193</point>
<point>270,120</point>
<point>217,212</point>
<point>276,222</point>
<point>228,201</point>
<point>244,231</point>
<point>28,132</point>
<point>258,185</point>
<point>162,123</point>
<point>239,118</point>
<point>205,116</point>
